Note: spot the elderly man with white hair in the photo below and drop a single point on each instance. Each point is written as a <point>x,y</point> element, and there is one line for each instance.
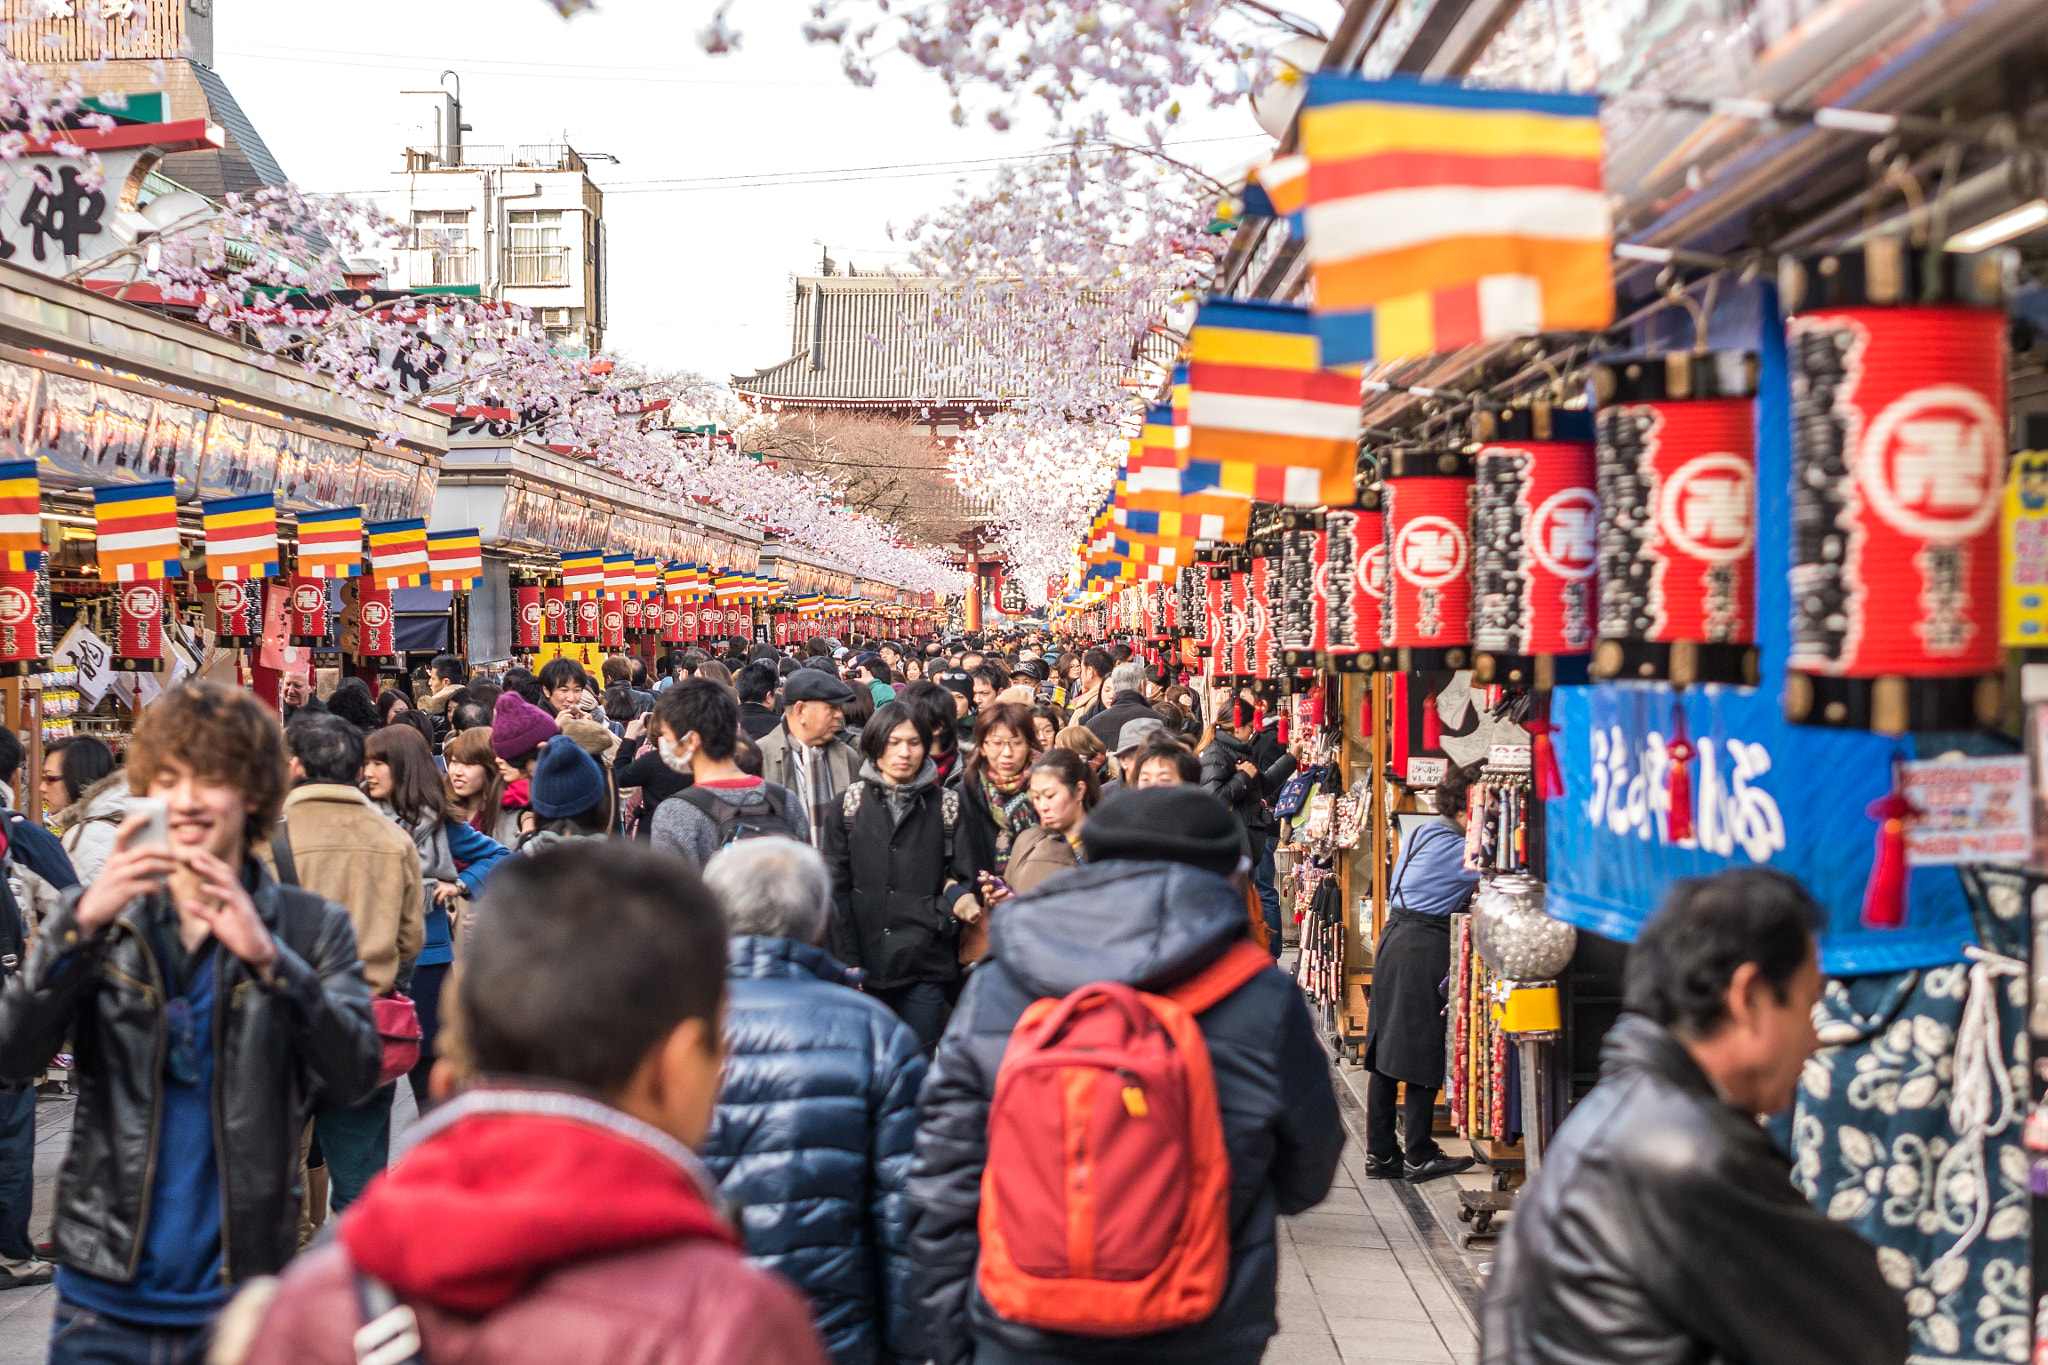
<point>1123,702</point>
<point>818,1110</point>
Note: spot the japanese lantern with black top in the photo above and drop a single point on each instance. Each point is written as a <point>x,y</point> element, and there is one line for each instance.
<point>139,641</point>
<point>21,635</point>
<point>1353,585</point>
<point>1899,381</point>
<point>529,618</point>
<point>306,614</point>
<point>1534,526</point>
<point>558,611</point>
<point>1301,621</point>
<point>237,612</point>
<point>1426,506</point>
<point>1677,534</point>
<point>375,620</point>
<point>589,616</point>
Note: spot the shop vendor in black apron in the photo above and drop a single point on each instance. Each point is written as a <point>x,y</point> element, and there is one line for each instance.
<point>1405,1039</point>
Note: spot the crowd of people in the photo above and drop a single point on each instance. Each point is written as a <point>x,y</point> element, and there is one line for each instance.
<point>886,1001</point>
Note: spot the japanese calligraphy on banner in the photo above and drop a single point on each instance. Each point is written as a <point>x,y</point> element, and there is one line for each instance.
<point>1766,794</point>
<point>1972,810</point>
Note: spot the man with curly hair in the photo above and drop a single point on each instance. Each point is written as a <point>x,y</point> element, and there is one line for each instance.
<point>206,1002</point>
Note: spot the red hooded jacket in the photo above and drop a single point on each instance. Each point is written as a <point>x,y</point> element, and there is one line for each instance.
<point>540,1226</point>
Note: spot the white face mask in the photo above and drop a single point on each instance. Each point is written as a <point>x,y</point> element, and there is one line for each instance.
<point>673,755</point>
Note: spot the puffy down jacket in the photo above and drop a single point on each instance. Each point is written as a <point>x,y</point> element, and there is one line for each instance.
<point>812,1139</point>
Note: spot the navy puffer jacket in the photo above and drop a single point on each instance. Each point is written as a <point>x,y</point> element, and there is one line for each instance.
<point>812,1140</point>
<point>1153,926</point>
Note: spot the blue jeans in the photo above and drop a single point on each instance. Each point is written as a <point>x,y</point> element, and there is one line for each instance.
<point>17,1172</point>
<point>79,1336</point>
<point>1269,899</point>
<point>925,1006</point>
<point>355,1140</point>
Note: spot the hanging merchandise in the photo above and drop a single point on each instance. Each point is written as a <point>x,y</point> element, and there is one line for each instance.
<point>1677,499</point>
<point>1899,440</point>
<point>1353,543</point>
<point>237,618</point>
<point>1427,613</point>
<point>374,620</point>
<point>2024,528</point>
<point>1534,519</point>
<point>140,642</point>
<point>22,646</point>
<point>1301,608</point>
<point>529,618</point>
<point>307,617</point>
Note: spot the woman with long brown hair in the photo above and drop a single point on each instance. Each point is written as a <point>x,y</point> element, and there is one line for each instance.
<point>399,776</point>
<point>476,786</point>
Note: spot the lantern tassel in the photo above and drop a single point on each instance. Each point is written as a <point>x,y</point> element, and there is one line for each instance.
<point>1678,781</point>
<point>1543,759</point>
<point>1432,723</point>
<point>1884,896</point>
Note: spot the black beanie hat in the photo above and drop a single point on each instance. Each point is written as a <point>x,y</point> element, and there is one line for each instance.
<point>1165,825</point>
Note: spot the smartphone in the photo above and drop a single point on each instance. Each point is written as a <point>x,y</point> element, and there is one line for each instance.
<point>158,830</point>
<point>991,882</point>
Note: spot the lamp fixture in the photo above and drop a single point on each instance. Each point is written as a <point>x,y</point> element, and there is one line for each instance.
<point>2006,226</point>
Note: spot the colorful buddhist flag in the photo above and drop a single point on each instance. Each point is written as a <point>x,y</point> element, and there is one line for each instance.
<point>619,578</point>
<point>1440,216</point>
<point>137,524</point>
<point>241,536</point>
<point>1265,419</point>
<point>583,574</point>
<point>646,578</point>
<point>331,543</point>
<point>455,559</point>
<point>21,516</point>
<point>398,552</point>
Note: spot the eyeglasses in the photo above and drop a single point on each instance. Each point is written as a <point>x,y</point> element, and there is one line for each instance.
<point>181,1059</point>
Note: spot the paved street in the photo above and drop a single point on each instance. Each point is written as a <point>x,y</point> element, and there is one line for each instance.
<point>1357,1283</point>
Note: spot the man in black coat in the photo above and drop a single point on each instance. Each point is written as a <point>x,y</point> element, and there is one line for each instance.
<point>1245,765</point>
<point>1153,907</point>
<point>1125,692</point>
<point>1664,1225</point>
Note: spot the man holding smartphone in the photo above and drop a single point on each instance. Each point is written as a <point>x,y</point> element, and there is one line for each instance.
<point>205,1001</point>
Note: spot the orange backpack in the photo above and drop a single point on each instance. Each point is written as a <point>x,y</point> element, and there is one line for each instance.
<point>1105,1200</point>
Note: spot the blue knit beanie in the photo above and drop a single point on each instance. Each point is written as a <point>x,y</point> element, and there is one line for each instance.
<point>566,781</point>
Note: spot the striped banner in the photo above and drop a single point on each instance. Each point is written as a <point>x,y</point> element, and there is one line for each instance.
<point>583,574</point>
<point>21,516</point>
<point>455,559</point>
<point>331,543</point>
<point>398,552</point>
<point>241,536</point>
<point>1265,419</point>
<point>620,577</point>
<point>1440,216</point>
<point>646,578</point>
<point>137,525</point>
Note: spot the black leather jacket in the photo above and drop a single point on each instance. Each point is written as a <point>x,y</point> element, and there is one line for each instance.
<point>1664,1229</point>
<point>273,1046</point>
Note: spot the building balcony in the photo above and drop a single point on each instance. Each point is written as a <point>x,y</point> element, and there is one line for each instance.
<point>526,266</point>
<point>531,156</point>
<point>428,268</point>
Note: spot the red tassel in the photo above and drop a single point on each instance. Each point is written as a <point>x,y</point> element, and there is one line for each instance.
<point>1678,783</point>
<point>1543,759</point>
<point>1280,731</point>
<point>1315,710</point>
<point>1432,723</point>
<point>1884,896</point>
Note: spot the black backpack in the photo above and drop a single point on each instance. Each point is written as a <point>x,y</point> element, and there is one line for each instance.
<point>736,823</point>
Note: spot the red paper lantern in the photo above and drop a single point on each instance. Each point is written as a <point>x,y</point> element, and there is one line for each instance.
<point>374,621</point>
<point>237,612</point>
<point>711,621</point>
<point>1262,645</point>
<point>1349,611</point>
<point>691,622</point>
<point>632,613</point>
<point>558,612</point>
<point>1301,624</point>
<point>611,624</point>
<point>306,616</point>
<point>1215,608</point>
<point>671,623</point>
<point>20,623</point>
<point>1426,505</point>
<point>1899,442</point>
<point>1535,538</point>
<point>529,618</point>
<point>1677,493</point>
<point>589,617</point>
<point>140,638</point>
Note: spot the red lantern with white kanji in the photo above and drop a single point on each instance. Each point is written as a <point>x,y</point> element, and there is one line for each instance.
<point>1535,522</point>
<point>375,621</point>
<point>237,612</point>
<point>1262,646</point>
<point>671,623</point>
<point>20,623</point>
<point>611,624</point>
<point>1300,619</point>
<point>139,642</point>
<point>558,612</point>
<point>306,614</point>
<point>589,617</point>
<point>529,618</point>
<point>1425,503</point>
<point>1349,597</point>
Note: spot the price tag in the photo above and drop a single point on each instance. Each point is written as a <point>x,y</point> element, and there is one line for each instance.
<point>1510,757</point>
<point>1427,772</point>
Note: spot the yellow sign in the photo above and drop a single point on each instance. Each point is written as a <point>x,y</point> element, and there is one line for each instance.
<point>2023,550</point>
<point>585,652</point>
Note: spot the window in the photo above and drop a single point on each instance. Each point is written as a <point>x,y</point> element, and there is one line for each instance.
<point>536,254</point>
<point>440,241</point>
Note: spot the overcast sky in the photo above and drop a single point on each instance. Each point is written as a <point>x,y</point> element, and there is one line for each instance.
<point>700,266</point>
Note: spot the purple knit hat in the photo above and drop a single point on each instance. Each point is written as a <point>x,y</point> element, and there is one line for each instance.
<point>518,727</point>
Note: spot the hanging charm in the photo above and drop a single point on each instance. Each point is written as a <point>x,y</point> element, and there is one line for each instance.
<point>1679,781</point>
<point>1884,897</point>
<point>1543,758</point>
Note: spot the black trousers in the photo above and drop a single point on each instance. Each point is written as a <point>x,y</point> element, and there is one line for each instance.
<point>1419,1111</point>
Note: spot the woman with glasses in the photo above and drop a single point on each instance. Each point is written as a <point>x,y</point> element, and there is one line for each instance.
<point>995,805</point>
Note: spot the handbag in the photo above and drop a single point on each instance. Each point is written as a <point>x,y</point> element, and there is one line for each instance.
<point>1294,795</point>
<point>396,1017</point>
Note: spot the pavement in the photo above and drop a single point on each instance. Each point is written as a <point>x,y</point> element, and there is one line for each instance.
<point>1372,1274</point>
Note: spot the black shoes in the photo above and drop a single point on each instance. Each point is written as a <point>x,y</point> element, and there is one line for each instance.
<point>1376,1169</point>
<point>1433,1170</point>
